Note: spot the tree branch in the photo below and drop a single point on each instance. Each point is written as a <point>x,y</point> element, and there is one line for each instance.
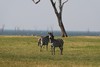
<point>63,4</point>
<point>36,2</point>
<point>54,6</point>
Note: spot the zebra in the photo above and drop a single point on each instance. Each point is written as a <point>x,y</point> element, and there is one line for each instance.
<point>43,41</point>
<point>55,43</point>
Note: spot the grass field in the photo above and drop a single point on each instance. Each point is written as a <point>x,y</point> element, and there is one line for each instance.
<point>23,51</point>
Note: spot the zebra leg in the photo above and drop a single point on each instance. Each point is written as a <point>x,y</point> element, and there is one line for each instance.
<point>52,50</point>
<point>61,50</point>
<point>40,48</point>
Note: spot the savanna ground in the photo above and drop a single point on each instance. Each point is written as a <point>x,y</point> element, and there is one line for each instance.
<point>23,51</point>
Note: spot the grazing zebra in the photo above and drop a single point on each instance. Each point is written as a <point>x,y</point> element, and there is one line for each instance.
<point>43,41</point>
<point>55,43</point>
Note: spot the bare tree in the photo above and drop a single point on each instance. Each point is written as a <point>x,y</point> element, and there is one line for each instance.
<point>58,13</point>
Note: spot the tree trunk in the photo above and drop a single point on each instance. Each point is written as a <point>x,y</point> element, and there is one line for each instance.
<point>61,25</point>
<point>63,31</point>
<point>59,16</point>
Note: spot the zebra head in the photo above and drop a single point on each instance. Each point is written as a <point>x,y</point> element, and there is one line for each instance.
<point>51,36</point>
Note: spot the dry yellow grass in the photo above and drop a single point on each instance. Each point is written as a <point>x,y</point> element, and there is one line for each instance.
<point>23,51</point>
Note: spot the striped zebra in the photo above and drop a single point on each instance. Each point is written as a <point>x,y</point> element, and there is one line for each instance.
<point>43,41</point>
<point>55,43</point>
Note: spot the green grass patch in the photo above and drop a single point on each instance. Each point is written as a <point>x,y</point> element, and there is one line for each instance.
<point>23,51</point>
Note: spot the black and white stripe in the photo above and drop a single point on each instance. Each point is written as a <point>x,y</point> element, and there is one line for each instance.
<point>55,43</point>
<point>43,41</point>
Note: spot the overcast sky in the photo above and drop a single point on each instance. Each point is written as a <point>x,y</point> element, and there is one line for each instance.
<point>78,15</point>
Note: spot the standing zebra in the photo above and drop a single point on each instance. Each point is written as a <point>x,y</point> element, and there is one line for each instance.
<point>43,41</point>
<point>55,43</point>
